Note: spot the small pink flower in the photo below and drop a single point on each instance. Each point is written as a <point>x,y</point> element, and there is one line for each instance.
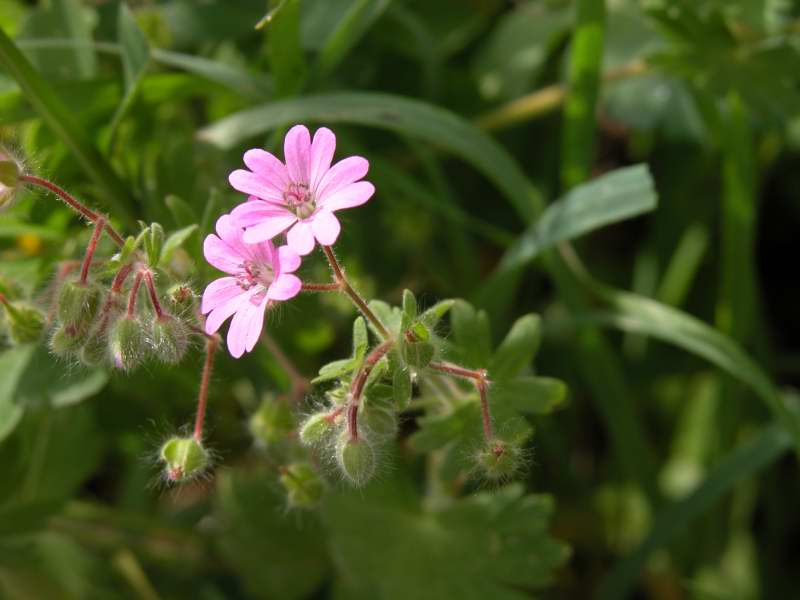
<point>260,274</point>
<point>302,195</point>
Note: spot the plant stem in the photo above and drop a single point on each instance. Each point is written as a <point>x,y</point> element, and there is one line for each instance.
<point>357,387</point>
<point>99,225</point>
<point>360,303</point>
<point>299,384</point>
<point>133,294</point>
<point>202,396</point>
<point>321,287</point>
<point>73,203</point>
<point>480,380</point>
<point>151,288</point>
<point>451,369</point>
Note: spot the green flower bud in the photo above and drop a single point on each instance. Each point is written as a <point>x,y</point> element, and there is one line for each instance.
<point>272,422</point>
<point>356,459</point>
<point>77,304</point>
<point>380,421</point>
<point>170,338</point>
<point>24,323</point>
<point>127,343</point>
<point>304,486</point>
<point>316,429</point>
<point>500,460</point>
<point>9,180</point>
<point>95,350</point>
<point>66,339</point>
<point>184,458</point>
<point>182,299</point>
<point>418,354</point>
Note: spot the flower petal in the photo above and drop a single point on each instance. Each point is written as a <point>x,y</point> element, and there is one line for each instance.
<point>247,323</point>
<point>342,174</point>
<point>272,170</point>
<point>326,227</point>
<point>284,287</point>
<point>322,149</point>
<point>301,238</point>
<point>218,316</point>
<point>219,291</point>
<point>352,195</point>
<point>255,184</point>
<point>253,212</point>
<point>268,229</point>
<point>289,260</point>
<point>296,150</point>
<point>221,255</point>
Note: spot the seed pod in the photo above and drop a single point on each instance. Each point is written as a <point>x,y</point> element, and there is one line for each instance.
<point>316,429</point>
<point>9,180</point>
<point>23,322</point>
<point>66,339</point>
<point>182,299</point>
<point>272,422</point>
<point>184,458</point>
<point>304,486</point>
<point>356,459</point>
<point>170,338</point>
<point>127,343</point>
<point>77,304</point>
<point>499,460</point>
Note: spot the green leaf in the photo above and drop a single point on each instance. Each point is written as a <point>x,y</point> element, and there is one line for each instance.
<point>405,116</point>
<point>390,316</point>
<point>745,461</point>
<point>401,388</point>
<point>135,58</point>
<point>173,242</point>
<point>620,195</point>
<point>349,31</point>
<point>489,545</point>
<point>61,120</point>
<point>286,56</point>
<point>409,310</point>
<point>360,340</point>
<point>183,213</point>
<point>536,395</point>
<point>517,349</point>
<point>13,363</point>
<point>433,315</point>
<point>72,17</point>
<point>471,334</point>
<point>436,431</point>
<point>335,369</point>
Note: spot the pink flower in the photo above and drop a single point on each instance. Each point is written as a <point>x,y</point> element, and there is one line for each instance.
<point>302,195</point>
<point>260,274</point>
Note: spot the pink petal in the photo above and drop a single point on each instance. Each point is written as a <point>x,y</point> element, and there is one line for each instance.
<point>296,150</point>
<point>268,229</point>
<point>269,167</point>
<point>300,238</point>
<point>322,149</point>
<point>220,255</point>
<point>246,325</point>
<point>326,227</point>
<point>342,174</point>
<point>289,260</point>
<point>253,212</point>
<point>284,287</point>
<point>219,291</point>
<point>257,185</point>
<point>352,195</point>
<point>218,316</point>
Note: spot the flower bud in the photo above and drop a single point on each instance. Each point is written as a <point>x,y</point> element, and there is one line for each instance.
<point>170,338</point>
<point>182,299</point>
<point>272,422</point>
<point>24,323</point>
<point>418,354</point>
<point>499,460</point>
<point>356,459</point>
<point>77,304</point>
<point>304,486</point>
<point>66,339</point>
<point>184,458</point>
<point>316,429</point>
<point>9,180</point>
<point>127,343</point>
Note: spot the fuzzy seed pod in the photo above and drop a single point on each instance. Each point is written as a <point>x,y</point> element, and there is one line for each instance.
<point>182,299</point>
<point>184,458</point>
<point>127,343</point>
<point>316,429</point>
<point>356,459</point>
<point>499,460</point>
<point>304,486</point>
<point>170,339</point>
<point>24,323</point>
<point>66,339</point>
<point>77,304</point>
<point>9,180</point>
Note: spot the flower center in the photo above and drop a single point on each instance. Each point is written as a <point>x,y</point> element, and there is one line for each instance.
<point>299,200</point>
<point>253,274</point>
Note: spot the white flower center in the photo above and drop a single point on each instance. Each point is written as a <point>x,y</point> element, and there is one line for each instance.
<point>300,200</point>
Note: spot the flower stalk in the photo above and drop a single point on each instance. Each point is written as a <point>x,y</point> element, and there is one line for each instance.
<point>99,225</point>
<point>202,396</point>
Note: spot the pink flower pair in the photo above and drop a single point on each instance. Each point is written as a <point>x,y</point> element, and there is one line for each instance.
<point>299,199</point>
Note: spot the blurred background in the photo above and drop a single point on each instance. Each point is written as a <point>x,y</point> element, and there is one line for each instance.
<point>670,467</point>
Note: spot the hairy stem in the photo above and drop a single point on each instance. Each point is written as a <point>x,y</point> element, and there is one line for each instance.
<point>73,203</point>
<point>479,378</point>
<point>202,396</point>
<point>153,293</point>
<point>348,289</point>
<point>133,295</point>
<point>357,387</point>
<point>99,225</point>
<point>321,287</point>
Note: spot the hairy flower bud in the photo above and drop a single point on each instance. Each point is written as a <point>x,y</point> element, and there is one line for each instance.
<point>316,429</point>
<point>170,338</point>
<point>66,339</point>
<point>356,459</point>
<point>127,343</point>
<point>23,322</point>
<point>304,486</point>
<point>272,422</point>
<point>184,458</point>
<point>499,460</point>
<point>182,299</point>
<point>77,304</point>
<point>9,180</point>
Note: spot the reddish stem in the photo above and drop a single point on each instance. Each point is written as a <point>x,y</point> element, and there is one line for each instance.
<point>73,203</point>
<point>151,288</point>
<point>99,225</point>
<point>445,367</point>
<point>133,294</point>
<point>486,416</point>
<point>321,287</point>
<point>120,277</point>
<point>481,381</point>
<point>202,396</point>
<point>357,387</point>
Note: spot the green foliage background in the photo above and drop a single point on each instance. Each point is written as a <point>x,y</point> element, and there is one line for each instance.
<point>670,470</point>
